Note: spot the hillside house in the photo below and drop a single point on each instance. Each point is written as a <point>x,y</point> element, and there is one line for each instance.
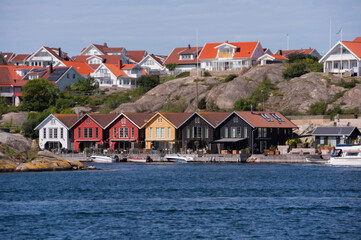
<point>309,51</point>
<point>153,63</point>
<point>185,58</point>
<point>331,136</point>
<point>46,56</point>
<point>271,58</point>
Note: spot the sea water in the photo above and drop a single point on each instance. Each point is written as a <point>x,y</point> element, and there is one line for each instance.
<point>183,201</point>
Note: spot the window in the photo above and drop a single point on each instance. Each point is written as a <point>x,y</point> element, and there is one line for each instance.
<point>44,133</point>
<point>157,132</point>
<point>197,132</point>
<point>73,75</point>
<point>121,132</point>
<point>239,132</point>
<point>67,75</point>
<point>235,119</point>
<point>50,133</point>
<point>87,121</point>
<point>90,132</point>
<point>150,132</point>
<point>96,132</point>
<point>132,132</point>
<point>126,132</point>
<point>264,130</point>
<point>188,132</point>
<point>53,121</point>
<point>124,121</point>
<point>278,118</point>
<point>79,133</point>
<point>322,140</point>
<point>245,133</point>
<point>268,119</point>
<point>233,132</point>
<point>226,132</point>
<point>197,120</point>
<point>159,120</point>
<point>85,133</point>
<point>335,65</point>
<point>206,132</point>
<point>55,133</point>
<point>169,133</point>
<point>162,132</point>
<point>61,133</point>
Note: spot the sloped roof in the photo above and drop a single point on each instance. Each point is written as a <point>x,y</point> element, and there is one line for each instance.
<point>354,46</point>
<point>174,56</point>
<point>274,56</point>
<point>243,49</point>
<point>114,68</point>
<point>8,56</point>
<point>106,49</point>
<point>334,131</point>
<point>176,118</point>
<point>255,119</point>
<point>81,67</point>
<point>158,58</point>
<point>139,118</point>
<point>214,118</point>
<point>67,119</point>
<point>136,55</point>
<point>20,57</point>
<point>288,52</point>
<point>5,76</point>
<point>112,59</point>
<point>128,66</point>
<point>103,118</point>
<point>51,50</point>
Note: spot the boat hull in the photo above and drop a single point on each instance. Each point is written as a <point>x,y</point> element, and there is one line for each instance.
<point>102,159</point>
<point>345,161</point>
<point>178,158</point>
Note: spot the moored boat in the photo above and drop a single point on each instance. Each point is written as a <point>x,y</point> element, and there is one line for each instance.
<point>179,158</point>
<point>346,155</point>
<point>139,159</point>
<point>100,158</point>
<point>317,159</point>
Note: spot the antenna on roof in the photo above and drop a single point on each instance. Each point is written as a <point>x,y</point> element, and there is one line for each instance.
<point>288,41</point>
<point>330,34</point>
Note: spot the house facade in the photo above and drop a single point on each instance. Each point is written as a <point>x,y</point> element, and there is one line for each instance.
<point>254,130</point>
<point>153,64</point>
<point>46,56</point>
<point>230,55</point>
<point>270,58</point>
<point>125,131</point>
<point>343,58</point>
<point>161,131</point>
<point>55,131</point>
<point>186,58</point>
<point>200,130</point>
<point>331,136</point>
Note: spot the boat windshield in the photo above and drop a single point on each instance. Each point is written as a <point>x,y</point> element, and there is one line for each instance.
<point>336,153</point>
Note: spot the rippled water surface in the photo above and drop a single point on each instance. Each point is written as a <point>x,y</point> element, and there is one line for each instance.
<point>184,201</point>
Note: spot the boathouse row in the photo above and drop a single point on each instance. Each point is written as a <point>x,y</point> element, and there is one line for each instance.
<point>215,132</point>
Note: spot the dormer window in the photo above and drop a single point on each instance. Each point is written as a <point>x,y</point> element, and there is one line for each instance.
<point>186,57</point>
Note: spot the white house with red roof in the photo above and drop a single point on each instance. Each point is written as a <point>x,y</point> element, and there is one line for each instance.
<point>97,49</point>
<point>343,57</point>
<point>82,68</point>
<point>6,56</point>
<point>184,57</point>
<point>118,75</point>
<point>135,56</point>
<point>230,55</point>
<point>46,56</point>
<point>307,51</point>
<point>271,58</point>
<point>20,59</point>
<point>153,63</point>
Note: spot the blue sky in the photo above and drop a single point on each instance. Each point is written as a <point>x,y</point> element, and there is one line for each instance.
<point>159,26</point>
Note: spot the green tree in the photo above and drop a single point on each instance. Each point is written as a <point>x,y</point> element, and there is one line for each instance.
<point>294,70</point>
<point>3,106</point>
<point>148,82</point>
<point>202,104</point>
<point>318,108</point>
<point>87,85</point>
<point>39,94</point>
<point>171,66</point>
<point>242,105</point>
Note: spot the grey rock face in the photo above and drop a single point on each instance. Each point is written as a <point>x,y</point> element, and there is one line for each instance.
<point>16,141</point>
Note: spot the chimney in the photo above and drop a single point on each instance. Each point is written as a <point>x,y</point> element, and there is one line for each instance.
<point>280,52</point>
<point>189,46</point>
<point>120,63</point>
<point>226,41</point>
<point>51,68</point>
<point>105,44</point>
<point>60,53</point>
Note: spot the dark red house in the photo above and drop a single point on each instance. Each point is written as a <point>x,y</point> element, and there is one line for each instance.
<point>125,130</point>
<point>89,131</point>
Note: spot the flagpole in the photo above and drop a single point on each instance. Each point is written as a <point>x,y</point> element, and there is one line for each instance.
<point>330,34</point>
<point>341,53</point>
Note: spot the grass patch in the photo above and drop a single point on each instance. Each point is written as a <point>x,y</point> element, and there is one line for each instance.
<point>230,77</point>
<point>183,74</point>
<point>344,84</point>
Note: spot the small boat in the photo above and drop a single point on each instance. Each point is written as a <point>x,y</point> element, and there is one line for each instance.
<point>317,159</point>
<point>139,160</point>
<point>101,158</point>
<point>346,155</point>
<point>178,158</point>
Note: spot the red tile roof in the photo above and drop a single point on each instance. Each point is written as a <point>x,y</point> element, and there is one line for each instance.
<point>244,49</point>
<point>103,118</point>
<point>256,120</point>
<point>112,59</point>
<point>176,118</point>
<point>114,68</point>
<point>5,76</point>
<point>20,57</point>
<point>81,67</point>
<point>136,55</point>
<point>174,56</point>
<point>128,66</point>
<point>158,59</point>
<point>67,119</point>
<point>106,49</point>
<point>214,118</point>
<point>288,52</point>
<point>51,50</point>
<point>139,118</point>
<point>8,56</point>
<point>354,46</point>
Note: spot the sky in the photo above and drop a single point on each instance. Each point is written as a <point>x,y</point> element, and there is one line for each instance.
<point>158,26</point>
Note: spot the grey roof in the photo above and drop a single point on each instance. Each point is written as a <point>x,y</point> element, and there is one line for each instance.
<point>334,131</point>
<point>222,140</point>
<point>58,72</point>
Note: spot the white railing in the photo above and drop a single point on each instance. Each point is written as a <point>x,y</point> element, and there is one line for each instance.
<point>102,75</point>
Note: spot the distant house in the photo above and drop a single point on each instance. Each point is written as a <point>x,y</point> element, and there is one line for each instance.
<point>55,131</point>
<point>82,68</point>
<point>162,133</point>
<point>135,56</point>
<point>253,130</point>
<point>267,51</point>
<point>97,49</point>
<point>94,61</point>
<point>331,136</point>
<point>230,55</point>
<point>46,56</point>
<point>89,131</point>
<point>118,75</point>
<point>347,52</point>
<point>200,130</point>
<point>6,57</point>
<point>125,131</point>
<point>184,57</point>
<point>271,58</point>
<point>153,63</point>
<point>310,51</point>
<point>20,59</point>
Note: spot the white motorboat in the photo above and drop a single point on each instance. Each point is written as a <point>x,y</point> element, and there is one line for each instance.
<point>346,155</point>
<point>103,158</point>
<point>316,159</point>
<point>139,159</point>
<point>179,158</point>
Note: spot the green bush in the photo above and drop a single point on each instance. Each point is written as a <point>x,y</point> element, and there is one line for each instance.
<point>344,84</point>
<point>318,108</point>
<point>294,70</point>
<point>202,104</point>
<point>148,82</point>
<point>230,77</point>
<point>242,105</point>
<point>207,74</point>
<point>183,74</point>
